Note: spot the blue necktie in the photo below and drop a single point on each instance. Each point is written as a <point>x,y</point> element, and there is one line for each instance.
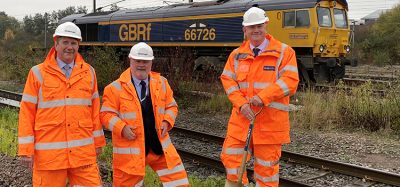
<point>66,69</point>
<point>142,91</point>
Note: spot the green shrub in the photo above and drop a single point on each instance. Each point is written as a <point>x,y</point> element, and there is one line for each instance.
<point>107,64</point>
<point>317,111</point>
<point>381,42</point>
<point>19,62</point>
<point>359,109</point>
<point>8,131</point>
<point>364,109</point>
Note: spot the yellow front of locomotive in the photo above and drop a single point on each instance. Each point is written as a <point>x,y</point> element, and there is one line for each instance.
<point>332,38</point>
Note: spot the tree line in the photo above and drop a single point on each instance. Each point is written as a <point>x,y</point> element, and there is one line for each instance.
<point>33,28</point>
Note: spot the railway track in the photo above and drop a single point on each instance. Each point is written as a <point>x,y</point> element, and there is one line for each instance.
<point>347,89</point>
<point>360,81</point>
<point>333,166</point>
<point>367,174</point>
<point>372,76</point>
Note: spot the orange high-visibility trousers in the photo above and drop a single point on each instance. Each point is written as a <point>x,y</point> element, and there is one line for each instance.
<point>80,176</point>
<point>266,161</point>
<point>169,177</point>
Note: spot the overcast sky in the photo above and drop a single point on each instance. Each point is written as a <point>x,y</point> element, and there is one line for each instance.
<point>20,8</point>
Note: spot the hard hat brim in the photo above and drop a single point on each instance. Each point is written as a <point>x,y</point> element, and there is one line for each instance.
<point>256,22</point>
<point>66,35</point>
<point>140,57</point>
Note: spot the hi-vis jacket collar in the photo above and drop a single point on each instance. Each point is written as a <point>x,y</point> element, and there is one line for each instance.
<point>51,60</point>
<point>273,49</point>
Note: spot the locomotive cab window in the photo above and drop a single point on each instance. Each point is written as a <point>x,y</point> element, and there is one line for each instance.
<point>298,18</point>
<point>324,17</point>
<point>289,19</point>
<point>302,18</point>
<point>340,18</point>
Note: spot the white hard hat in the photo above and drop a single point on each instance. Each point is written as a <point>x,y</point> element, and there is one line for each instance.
<point>68,29</point>
<point>254,16</point>
<point>141,51</point>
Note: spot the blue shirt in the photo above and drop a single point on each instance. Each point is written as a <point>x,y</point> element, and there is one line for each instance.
<point>61,64</point>
<point>138,87</point>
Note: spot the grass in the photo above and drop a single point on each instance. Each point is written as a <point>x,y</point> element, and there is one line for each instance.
<point>217,103</point>
<point>152,180</point>
<point>8,131</point>
<point>359,109</point>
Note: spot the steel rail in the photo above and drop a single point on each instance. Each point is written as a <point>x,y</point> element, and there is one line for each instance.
<point>347,89</point>
<point>10,95</point>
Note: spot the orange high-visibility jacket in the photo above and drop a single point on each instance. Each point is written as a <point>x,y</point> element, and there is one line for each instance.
<point>121,106</point>
<point>59,118</point>
<point>273,76</point>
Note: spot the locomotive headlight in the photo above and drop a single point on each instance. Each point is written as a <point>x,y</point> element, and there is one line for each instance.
<point>321,48</point>
<point>347,48</point>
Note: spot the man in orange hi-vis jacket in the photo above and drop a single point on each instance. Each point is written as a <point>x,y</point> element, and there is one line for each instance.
<point>139,109</point>
<point>259,75</point>
<point>59,131</point>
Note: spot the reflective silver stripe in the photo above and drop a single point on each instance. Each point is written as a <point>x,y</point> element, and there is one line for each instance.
<point>40,95</point>
<point>176,183</point>
<point>166,143</point>
<point>92,75</point>
<point>278,63</point>
<point>139,184</point>
<point>98,133</point>
<point>36,72</point>
<point>167,171</point>
<point>64,102</point>
<point>229,74</point>
<point>279,106</point>
<point>87,186</point>
<point>266,163</point>
<point>172,103</point>
<point>170,113</point>
<point>261,85</point>
<point>108,109</point>
<point>283,86</point>
<point>289,68</point>
<point>235,61</point>
<point>232,89</point>
<point>243,85</point>
<point>128,115</point>
<point>116,85</point>
<point>63,145</point>
<point>163,80</point>
<point>126,150</point>
<point>258,184</point>
<point>95,95</point>
<point>29,98</point>
<point>233,151</point>
<point>25,139</point>
<point>161,110</point>
<point>232,171</point>
<point>274,178</point>
<point>113,121</point>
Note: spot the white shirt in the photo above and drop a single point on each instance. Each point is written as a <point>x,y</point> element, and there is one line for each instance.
<point>262,46</point>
